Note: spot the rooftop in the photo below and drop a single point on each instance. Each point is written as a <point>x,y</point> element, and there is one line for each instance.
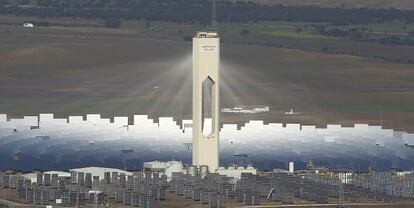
<point>206,35</point>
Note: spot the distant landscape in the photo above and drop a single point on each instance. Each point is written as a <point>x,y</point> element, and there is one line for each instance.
<point>321,88</point>
<point>366,32</point>
<point>385,4</point>
<point>343,66</point>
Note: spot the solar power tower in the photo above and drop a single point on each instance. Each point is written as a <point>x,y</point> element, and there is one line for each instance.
<point>206,111</point>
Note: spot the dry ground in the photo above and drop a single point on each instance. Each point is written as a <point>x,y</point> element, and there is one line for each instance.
<point>74,71</point>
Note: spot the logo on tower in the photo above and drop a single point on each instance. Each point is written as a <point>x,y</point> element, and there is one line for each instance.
<point>209,48</point>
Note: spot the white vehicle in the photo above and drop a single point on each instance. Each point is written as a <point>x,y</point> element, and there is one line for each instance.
<point>246,109</point>
<point>291,112</point>
<point>28,25</point>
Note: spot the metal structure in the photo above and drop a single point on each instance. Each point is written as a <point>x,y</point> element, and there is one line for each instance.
<point>206,53</point>
<point>138,190</point>
<point>146,189</point>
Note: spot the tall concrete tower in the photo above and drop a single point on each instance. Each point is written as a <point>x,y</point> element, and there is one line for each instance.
<point>206,111</point>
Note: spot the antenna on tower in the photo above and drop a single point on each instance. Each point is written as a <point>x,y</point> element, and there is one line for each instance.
<point>213,15</point>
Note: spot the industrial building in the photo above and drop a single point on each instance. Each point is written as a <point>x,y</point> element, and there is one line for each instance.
<point>246,109</point>
<point>236,172</point>
<point>164,168</point>
<point>99,171</point>
<point>34,176</point>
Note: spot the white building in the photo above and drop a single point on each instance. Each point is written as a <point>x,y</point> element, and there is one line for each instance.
<point>28,25</point>
<point>98,171</point>
<point>236,172</point>
<point>33,176</point>
<point>166,168</point>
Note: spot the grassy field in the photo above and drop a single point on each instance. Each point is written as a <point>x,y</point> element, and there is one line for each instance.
<point>294,35</point>
<point>74,71</point>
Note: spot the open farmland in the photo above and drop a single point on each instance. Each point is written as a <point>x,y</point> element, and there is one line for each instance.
<point>73,72</point>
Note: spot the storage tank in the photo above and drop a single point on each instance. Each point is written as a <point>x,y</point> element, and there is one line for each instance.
<point>192,170</point>
<point>291,167</point>
<point>203,170</point>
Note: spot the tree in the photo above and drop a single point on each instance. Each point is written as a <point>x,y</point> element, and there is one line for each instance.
<point>112,22</point>
<point>148,24</point>
<point>244,32</point>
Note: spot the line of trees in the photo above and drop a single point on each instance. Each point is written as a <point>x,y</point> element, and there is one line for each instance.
<point>198,11</point>
<point>361,34</point>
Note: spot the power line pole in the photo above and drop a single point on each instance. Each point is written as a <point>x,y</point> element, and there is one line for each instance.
<point>95,200</point>
<point>341,194</point>
<point>381,116</point>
